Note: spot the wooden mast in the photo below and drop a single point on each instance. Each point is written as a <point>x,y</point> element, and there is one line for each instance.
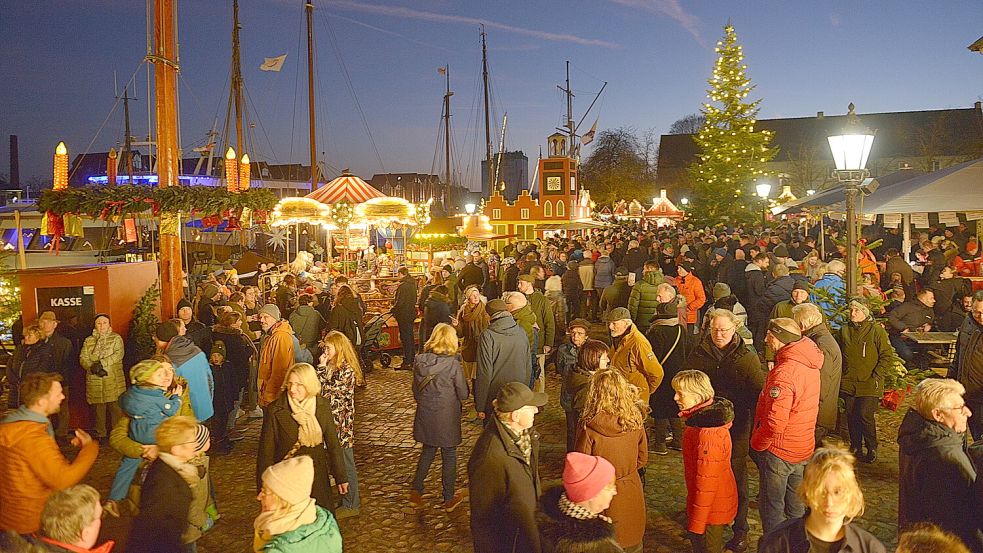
<point>488,143</point>
<point>309,6</point>
<point>164,59</point>
<point>237,78</point>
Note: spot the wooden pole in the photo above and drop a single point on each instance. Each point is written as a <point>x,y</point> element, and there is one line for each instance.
<point>309,6</point>
<point>164,59</point>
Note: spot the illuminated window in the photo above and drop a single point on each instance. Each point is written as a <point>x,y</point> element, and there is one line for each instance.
<point>524,213</point>
<point>548,209</point>
<point>496,214</point>
<point>560,210</point>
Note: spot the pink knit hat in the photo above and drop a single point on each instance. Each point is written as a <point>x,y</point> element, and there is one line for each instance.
<point>584,476</point>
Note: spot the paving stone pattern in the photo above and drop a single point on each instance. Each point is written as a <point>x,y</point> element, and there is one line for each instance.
<point>386,456</point>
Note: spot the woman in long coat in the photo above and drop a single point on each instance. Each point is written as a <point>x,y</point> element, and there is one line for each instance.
<point>346,316</point>
<point>867,357</point>
<point>300,422</point>
<point>232,376</point>
<point>33,355</point>
<point>102,360</point>
<point>472,320</point>
<point>612,427</point>
<point>436,310</point>
<point>439,388</point>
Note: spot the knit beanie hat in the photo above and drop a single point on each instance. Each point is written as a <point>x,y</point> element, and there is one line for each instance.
<point>270,309</point>
<point>142,371</point>
<point>721,290</point>
<point>201,437</point>
<point>183,303</point>
<point>860,305</point>
<point>219,348</point>
<point>166,331</point>
<point>584,476</point>
<point>291,479</point>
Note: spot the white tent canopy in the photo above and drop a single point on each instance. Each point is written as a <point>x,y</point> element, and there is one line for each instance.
<point>956,188</point>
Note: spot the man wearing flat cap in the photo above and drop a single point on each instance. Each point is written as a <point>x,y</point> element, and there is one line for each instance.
<point>503,475</point>
<point>632,354</point>
<point>64,358</point>
<point>503,357</point>
<point>783,436</point>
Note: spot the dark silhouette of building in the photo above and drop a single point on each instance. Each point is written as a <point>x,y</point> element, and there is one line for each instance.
<point>513,170</point>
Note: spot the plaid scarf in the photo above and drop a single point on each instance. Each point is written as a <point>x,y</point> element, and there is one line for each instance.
<point>523,441</point>
<point>573,510</point>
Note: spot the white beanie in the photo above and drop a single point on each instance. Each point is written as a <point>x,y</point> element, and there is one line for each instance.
<point>291,479</point>
<point>554,284</point>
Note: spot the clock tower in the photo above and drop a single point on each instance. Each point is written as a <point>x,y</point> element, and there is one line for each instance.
<point>559,190</point>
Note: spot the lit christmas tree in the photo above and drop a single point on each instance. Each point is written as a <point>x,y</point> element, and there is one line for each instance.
<point>732,154</point>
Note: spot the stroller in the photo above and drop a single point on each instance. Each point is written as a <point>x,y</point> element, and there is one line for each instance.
<point>372,347</point>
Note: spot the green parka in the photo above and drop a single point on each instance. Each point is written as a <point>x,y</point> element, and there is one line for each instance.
<point>867,357</point>
<point>544,316</point>
<point>643,298</point>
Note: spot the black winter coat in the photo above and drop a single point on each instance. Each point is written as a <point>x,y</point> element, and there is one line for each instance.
<point>777,291</point>
<point>937,479</point>
<point>346,318</point>
<point>504,490</point>
<point>909,316</point>
<point>790,537</point>
<point>558,531</point>
<point>437,421</point>
<point>165,500</point>
<point>404,305</point>
<point>663,339</point>
<point>572,286</point>
<point>829,375</point>
<point>279,434</point>
<point>736,374</point>
<point>234,374</point>
<point>968,365</point>
<point>437,310</point>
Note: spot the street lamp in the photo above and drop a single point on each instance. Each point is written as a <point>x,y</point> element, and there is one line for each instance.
<point>810,192</point>
<point>469,208</point>
<point>763,189</point>
<point>850,151</point>
<point>684,201</point>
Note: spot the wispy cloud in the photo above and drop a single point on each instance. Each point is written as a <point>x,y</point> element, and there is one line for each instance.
<point>671,9</point>
<point>388,32</point>
<point>409,13</point>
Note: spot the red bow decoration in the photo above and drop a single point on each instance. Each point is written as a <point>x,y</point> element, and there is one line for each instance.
<point>211,221</point>
<point>233,224</point>
<point>56,229</point>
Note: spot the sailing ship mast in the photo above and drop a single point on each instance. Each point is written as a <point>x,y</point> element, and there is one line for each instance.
<point>309,6</point>
<point>488,142</point>
<point>236,76</point>
<point>447,137</point>
<point>164,58</point>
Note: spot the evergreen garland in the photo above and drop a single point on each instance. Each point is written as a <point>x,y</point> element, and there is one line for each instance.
<point>111,201</point>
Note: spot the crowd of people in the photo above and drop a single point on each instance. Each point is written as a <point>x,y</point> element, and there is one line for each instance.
<point>727,346</point>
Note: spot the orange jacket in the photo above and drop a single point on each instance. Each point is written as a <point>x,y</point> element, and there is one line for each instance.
<point>31,469</point>
<point>711,490</point>
<point>691,288</point>
<point>275,357</point>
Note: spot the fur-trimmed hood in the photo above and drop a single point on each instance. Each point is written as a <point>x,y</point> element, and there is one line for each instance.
<point>576,536</point>
<point>720,412</point>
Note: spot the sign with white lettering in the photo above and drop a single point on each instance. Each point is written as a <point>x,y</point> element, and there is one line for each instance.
<point>69,302</point>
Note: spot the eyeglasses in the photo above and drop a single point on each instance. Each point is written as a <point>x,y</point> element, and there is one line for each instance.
<point>723,330</point>
<point>956,408</point>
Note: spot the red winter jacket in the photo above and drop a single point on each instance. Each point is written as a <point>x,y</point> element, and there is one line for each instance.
<point>711,491</point>
<point>785,419</point>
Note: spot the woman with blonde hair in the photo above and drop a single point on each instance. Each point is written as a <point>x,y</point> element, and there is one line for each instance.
<point>711,490</point>
<point>612,427</point>
<point>300,422</point>
<point>830,489</point>
<point>439,388</point>
<point>339,372</point>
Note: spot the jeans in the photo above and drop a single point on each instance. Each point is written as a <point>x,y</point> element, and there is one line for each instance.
<point>660,431</point>
<point>113,415</point>
<point>860,421</point>
<point>64,417</point>
<point>778,479</point>
<point>350,499</point>
<point>128,467</point>
<point>903,348</point>
<point>408,341</point>
<point>448,469</point>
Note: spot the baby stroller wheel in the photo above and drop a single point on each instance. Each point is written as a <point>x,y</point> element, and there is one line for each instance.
<point>385,360</point>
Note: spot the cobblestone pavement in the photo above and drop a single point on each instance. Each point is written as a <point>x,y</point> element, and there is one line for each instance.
<point>386,457</point>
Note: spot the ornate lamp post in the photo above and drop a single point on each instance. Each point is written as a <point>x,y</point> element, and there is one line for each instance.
<point>850,151</point>
<point>763,189</point>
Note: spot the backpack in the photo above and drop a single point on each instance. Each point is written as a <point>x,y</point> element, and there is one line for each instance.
<point>301,354</point>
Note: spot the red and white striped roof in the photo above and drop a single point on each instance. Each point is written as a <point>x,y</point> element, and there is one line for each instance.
<point>346,188</point>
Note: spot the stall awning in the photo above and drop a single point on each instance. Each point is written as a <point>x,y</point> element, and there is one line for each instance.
<point>956,188</point>
<point>834,199</point>
<point>346,188</point>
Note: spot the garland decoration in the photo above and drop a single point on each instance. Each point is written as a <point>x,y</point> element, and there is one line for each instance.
<point>342,214</point>
<point>112,201</point>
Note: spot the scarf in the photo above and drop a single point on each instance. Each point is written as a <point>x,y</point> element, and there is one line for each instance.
<point>22,413</point>
<point>284,519</point>
<point>575,511</point>
<point>523,441</point>
<point>309,432</point>
<point>188,472</point>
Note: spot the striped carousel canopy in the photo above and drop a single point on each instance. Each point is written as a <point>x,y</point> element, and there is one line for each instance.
<point>346,188</point>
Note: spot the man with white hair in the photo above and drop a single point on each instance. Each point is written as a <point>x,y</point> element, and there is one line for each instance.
<point>937,480</point>
<point>829,291</point>
<point>810,320</point>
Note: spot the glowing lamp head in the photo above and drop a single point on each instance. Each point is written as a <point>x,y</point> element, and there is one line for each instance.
<point>685,201</point>
<point>230,153</point>
<point>763,189</point>
<point>810,192</point>
<point>469,208</point>
<point>851,148</point>
<point>245,158</point>
<point>61,149</point>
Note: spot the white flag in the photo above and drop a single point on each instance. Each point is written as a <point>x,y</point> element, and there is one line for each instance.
<point>589,135</point>
<point>273,64</point>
